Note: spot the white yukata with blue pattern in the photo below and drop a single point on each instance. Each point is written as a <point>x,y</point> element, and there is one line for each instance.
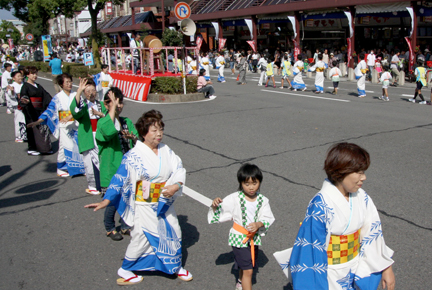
<point>156,235</point>
<point>328,214</point>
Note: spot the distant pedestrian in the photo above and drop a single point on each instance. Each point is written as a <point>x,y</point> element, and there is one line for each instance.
<point>360,74</point>
<point>420,72</point>
<point>385,80</point>
<point>394,67</point>
<point>335,74</point>
<point>262,67</point>
<point>298,83</point>
<point>220,65</point>
<point>286,72</point>
<point>269,72</point>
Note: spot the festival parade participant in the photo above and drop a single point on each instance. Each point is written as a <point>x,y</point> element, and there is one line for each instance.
<point>13,97</point>
<point>87,111</point>
<point>285,66</point>
<point>103,81</point>
<point>220,65</point>
<point>298,83</point>
<point>148,181</point>
<point>340,244</point>
<point>34,100</point>
<point>205,64</point>
<point>360,74</point>
<point>252,216</point>
<point>319,67</point>
<point>385,80</point>
<point>335,74</point>
<point>63,127</point>
<point>420,73</point>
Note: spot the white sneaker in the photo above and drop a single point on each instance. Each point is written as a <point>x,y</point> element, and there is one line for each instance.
<point>322,92</point>
<point>223,81</point>
<point>423,103</point>
<point>295,90</point>
<point>8,111</point>
<point>281,87</point>
<point>33,153</point>
<point>386,99</point>
<point>381,98</point>
<point>260,85</point>
<point>212,97</point>
<point>304,89</point>
<point>411,100</point>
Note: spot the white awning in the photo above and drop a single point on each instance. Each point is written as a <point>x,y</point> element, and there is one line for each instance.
<point>380,8</point>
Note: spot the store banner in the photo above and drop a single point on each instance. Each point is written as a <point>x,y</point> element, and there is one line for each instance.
<point>133,87</point>
<point>47,47</point>
<point>252,44</point>
<point>222,42</point>
<point>249,25</point>
<point>296,49</point>
<point>199,42</point>
<point>216,27</point>
<point>411,54</point>
<point>411,12</point>
<point>350,23</point>
<point>348,51</point>
<point>293,23</point>
<point>10,41</point>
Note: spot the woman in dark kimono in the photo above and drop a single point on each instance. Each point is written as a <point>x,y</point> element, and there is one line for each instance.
<point>35,100</point>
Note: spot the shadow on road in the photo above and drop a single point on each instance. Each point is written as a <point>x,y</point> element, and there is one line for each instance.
<point>5,169</point>
<point>190,236</point>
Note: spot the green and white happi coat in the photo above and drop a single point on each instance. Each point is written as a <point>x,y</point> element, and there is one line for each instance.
<point>233,208</point>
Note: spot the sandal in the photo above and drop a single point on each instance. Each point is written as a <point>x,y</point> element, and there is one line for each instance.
<point>184,275</point>
<point>92,191</point>
<point>126,232</point>
<point>115,236</point>
<point>125,282</point>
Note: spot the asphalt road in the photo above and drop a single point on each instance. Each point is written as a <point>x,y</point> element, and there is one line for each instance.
<point>50,241</point>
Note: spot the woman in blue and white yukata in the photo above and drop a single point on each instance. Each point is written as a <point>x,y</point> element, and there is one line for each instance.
<point>148,181</point>
<point>298,83</point>
<point>360,74</point>
<point>319,67</point>
<point>340,244</point>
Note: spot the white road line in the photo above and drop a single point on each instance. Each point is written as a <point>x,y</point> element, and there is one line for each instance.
<point>405,95</point>
<point>197,196</point>
<point>306,96</point>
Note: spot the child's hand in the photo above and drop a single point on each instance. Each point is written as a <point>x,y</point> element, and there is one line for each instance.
<point>253,227</point>
<point>216,202</point>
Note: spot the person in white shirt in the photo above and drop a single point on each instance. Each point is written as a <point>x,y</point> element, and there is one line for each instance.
<point>385,80</point>
<point>335,74</point>
<point>262,67</point>
<point>205,64</point>
<point>394,67</point>
<point>6,80</point>
<point>360,74</point>
<point>371,63</point>
<point>13,97</point>
<point>103,82</point>
<point>220,65</point>
<point>135,42</point>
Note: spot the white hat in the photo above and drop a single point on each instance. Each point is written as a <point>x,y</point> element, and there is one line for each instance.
<point>426,50</point>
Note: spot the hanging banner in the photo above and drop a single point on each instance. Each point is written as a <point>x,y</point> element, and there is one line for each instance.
<point>411,54</point>
<point>249,25</point>
<point>216,27</point>
<point>348,51</point>
<point>199,42</point>
<point>296,49</point>
<point>47,46</point>
<point>293,23</point>
<point>411,12</point>
<point>252,44</point>
<point>221,43</point>
<point>350,23</point>
<point>10,41</point>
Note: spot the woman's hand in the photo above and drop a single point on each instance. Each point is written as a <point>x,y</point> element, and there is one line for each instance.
<point>67,119</point>
<point>96,113</point>
<point>216,203</point>
<point>128,135</point>
<point>169,190</point>
<point>100,205</point>
<point>24,101</point>
<point>388,279</point>
<point>34,124</point>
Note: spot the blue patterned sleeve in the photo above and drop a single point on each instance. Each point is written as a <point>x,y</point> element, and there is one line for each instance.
<point>117,185</point>
<point>308,262</point>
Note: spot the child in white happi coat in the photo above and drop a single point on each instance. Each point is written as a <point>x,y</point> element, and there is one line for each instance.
<point>252,216</point>
<point>335,74</point>
<point>103,82</point>
<point>298,83</point>
<point>319,67</point>
<point>220,65</point>
<point>385,80</point>
<point>13,97</point>
<point>205,64</point>
<point>360,74</point>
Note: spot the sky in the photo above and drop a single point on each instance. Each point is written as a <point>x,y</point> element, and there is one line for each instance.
<point>6,15</point>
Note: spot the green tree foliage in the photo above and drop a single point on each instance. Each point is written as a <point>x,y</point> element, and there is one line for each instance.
<point>172,38</point>
<point>7,28</point>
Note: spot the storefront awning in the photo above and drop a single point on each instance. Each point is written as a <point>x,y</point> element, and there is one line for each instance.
<point>382,8</point>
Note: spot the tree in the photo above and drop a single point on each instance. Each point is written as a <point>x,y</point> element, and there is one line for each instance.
<point>172,38</point>
<point>94,7</point>
<point>7,28</point>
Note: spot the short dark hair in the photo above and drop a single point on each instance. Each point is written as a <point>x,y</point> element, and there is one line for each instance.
<point>248,171</point>
<point>90,82</point>
<point>320,56</point>
<point>30,70</point>
<point>117,92</point>
<point>61,78</point>
<point>149,118</point>
<point>202,72</point>
<point>54,55</point>
<point>343,159</point>
<point>104,66</point>
<point>334,63</point>
<point>6,65</point>
<point>299,57</point>
<point>362,56</point>
<point>13,74</point>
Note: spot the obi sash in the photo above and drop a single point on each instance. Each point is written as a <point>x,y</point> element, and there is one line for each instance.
<point>364,70</point>
<point>344,248</point>
<point>154,192</point>
<point>104,84</point>
<point>64,114</point>
<point>320,69</point>
<point>94,124</point>
<point>37,102</point>
<point>249,236</point>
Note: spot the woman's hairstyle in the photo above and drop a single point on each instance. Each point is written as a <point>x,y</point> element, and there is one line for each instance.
<point>30,70</point>
<point>320,56</point>
<point>61,78</point>
<point>362,56</point>
<point>149,118</point>
<point>117,93</point>
<point>13,74</point>
<point>104,66</point>
<point>90,82</point>
<point>299,57</point>
<point>202,72</point>
<point>343,159</point>
<point>247,171</point>
<point>334,63</point>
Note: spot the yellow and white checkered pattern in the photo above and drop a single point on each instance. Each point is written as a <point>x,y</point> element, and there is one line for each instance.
<point>343,248</point>
<point>155,191</point>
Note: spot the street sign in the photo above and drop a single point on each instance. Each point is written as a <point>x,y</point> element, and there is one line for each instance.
<point>182,10</point>
<point>88,58</point>
<point>29,37</point>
